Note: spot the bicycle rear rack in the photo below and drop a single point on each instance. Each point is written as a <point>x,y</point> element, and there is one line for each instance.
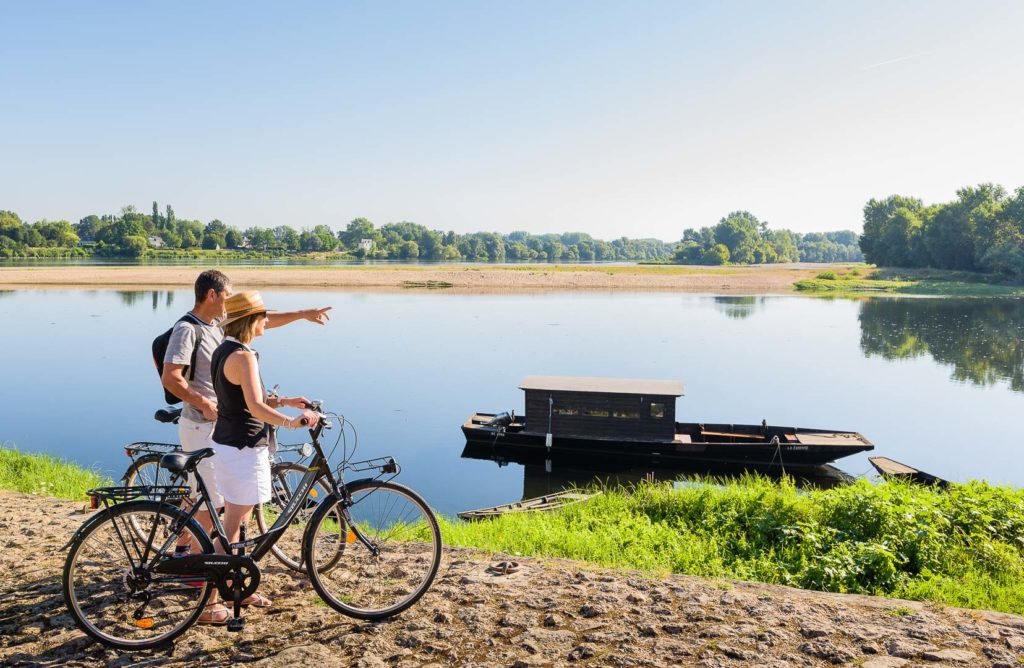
<point>111,495</point>
<point>150,448</point>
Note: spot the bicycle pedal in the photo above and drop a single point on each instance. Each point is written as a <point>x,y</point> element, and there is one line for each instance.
<point>236,624</point>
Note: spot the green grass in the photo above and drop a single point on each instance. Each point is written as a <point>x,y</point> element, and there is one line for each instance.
<point>910,281</point>
<point>963,547</point>
<point>46,475</point>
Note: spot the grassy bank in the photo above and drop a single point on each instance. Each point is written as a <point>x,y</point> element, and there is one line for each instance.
<point>909,281</point>
<point>964,547</point>
<point>46,475</point>
<point>961,547</point>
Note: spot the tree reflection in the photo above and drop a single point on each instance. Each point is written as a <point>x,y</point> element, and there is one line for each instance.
<point>979,338</point>
<point>132,297</point>
<point>738,307</point>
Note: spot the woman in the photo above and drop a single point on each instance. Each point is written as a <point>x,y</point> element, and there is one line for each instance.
<point>246,417</point>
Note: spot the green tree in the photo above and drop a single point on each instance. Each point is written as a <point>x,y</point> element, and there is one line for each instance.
<point>717,254</point>
<point>876,214</point>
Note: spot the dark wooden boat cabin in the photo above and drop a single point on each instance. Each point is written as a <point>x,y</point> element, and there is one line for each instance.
<point>628,417</point>
<point>624,409</point>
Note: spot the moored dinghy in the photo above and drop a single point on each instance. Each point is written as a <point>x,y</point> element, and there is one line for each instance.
<point>538,504</point>
<point>890,468</point>
<point>625,417</point>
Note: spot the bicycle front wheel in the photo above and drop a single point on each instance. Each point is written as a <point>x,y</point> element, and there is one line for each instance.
<point>109,588</point>
<point>386,544</point>
<point>285,479</point>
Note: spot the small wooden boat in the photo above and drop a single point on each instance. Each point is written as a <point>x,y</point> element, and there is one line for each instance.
<point>622,418</point>
<point>890,468</point>
<point>541,503</point>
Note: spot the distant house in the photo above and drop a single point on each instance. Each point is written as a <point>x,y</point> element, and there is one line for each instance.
<point>155,241</point>
<point>366,245</point>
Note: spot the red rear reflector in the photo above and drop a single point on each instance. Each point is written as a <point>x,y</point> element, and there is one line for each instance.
<point>94,503</point>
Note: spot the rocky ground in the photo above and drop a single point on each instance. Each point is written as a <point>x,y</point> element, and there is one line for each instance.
<point>455,278</point>
<point>548,613</point>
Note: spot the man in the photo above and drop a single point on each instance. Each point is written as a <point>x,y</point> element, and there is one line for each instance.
<point>199,412</point>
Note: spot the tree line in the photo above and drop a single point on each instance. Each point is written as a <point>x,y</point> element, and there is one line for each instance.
<point>981,230</point>
<point>740,238</point>
<point>134,234</point>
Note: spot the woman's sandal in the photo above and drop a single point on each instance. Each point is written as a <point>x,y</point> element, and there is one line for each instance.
<point>215,614</point>
<point>257,601</point>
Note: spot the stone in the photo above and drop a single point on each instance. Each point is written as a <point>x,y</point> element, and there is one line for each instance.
<point>827,651</point>
<point>906,649</point>
<point>647,630</point>
<point>582,652</point>
<point>811,631</point>
<point>885,662</point>
<point>952,655</point>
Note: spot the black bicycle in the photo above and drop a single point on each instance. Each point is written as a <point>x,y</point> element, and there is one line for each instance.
<point>285,474</point>
<point>371,549</point>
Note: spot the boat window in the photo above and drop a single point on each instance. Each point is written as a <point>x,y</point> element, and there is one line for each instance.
<point>629,415</point>
<point>657,410</point>
<point>567,411</point>
<point>595,412</point>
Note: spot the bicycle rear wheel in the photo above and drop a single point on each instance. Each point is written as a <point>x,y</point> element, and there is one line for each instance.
<point>146,472</point>
<point>285,480</point>
<point>114,596</point>
<point>388,554</point>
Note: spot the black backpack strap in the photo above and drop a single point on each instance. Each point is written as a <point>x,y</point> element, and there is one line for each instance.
<point>188,317</point>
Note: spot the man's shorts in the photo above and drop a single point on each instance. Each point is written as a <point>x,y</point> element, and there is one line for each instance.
<point>196,436</point>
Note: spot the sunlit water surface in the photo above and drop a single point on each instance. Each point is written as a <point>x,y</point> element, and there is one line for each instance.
<point>936,383</point>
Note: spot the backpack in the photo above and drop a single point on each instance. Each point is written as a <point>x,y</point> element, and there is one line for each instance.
<point>160,344</point>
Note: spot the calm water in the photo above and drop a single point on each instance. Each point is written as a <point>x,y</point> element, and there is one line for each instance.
<point>936,383</point>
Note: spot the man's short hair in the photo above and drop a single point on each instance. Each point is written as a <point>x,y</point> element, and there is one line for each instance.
<point>211,278</point>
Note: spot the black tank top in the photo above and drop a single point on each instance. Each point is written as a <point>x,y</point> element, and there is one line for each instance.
<point>235,426</point>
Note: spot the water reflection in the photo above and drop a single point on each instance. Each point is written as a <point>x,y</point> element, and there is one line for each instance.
<point>979,338</point>
<point>548,475</point>
<point>160,298</point>
<point>738,307</point>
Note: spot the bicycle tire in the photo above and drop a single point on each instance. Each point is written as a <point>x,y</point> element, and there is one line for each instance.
<point>406,536</point>
<point>106,590</point>
<point>284,478</point>
<point>144,472</point>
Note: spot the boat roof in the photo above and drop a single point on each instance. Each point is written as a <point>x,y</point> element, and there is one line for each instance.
<point>672,388</point>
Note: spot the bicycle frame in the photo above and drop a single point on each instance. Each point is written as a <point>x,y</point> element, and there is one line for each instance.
<point>318,468</point>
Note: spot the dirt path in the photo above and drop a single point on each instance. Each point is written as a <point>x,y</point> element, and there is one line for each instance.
<point>736,280</point>
<point>549,613</point>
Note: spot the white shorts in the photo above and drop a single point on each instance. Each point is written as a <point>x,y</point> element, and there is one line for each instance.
<point>243,474</point>
<point>196,436</point>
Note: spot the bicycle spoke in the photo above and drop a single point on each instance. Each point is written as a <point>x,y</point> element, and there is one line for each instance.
<point>119,600</point>
<point>381,565</point>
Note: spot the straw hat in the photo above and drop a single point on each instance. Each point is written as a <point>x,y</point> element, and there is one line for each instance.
<point>243,304</point>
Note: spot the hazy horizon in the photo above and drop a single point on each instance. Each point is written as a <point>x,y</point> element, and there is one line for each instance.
<point>614,120</point>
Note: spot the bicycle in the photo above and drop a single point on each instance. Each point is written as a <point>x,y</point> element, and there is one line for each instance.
<point>371,549</point>
<point>145,470</point>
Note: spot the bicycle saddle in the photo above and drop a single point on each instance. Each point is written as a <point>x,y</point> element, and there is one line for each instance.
<point>181,462</point>
<point>167,415</point>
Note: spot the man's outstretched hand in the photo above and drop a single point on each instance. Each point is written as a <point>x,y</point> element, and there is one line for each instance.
<point>317,315</point>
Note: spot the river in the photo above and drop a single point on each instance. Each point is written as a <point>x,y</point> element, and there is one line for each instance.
<point>936,383</point>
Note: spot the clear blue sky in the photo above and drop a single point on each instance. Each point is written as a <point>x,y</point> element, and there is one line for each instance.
<point>639,118</point>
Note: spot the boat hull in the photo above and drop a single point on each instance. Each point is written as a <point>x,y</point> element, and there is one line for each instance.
<point>736,446</point>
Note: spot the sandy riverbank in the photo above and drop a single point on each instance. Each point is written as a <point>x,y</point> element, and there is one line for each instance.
<point>549,613</point>
<point>458,278</point>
